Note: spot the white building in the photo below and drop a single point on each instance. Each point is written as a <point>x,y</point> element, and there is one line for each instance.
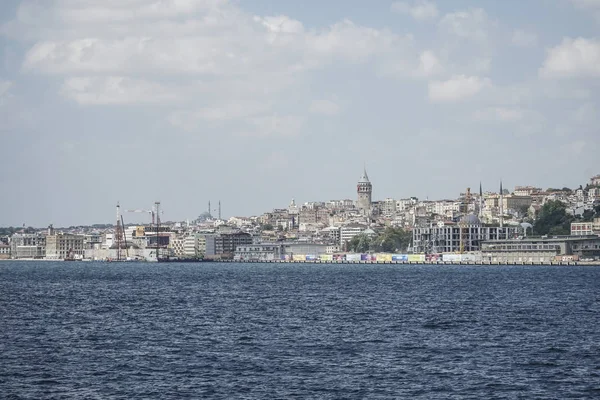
<point>586,228</point>
<point>349,231</point>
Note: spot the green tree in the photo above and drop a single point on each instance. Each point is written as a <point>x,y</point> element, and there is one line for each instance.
<point>364,243</point>
<point>392,240</point>
<point>359,243</point>
<point>553,219</point>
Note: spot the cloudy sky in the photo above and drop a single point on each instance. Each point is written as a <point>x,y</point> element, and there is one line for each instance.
<point>256,102</point>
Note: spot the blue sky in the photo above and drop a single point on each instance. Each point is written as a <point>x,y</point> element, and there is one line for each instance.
<point>258,102</point>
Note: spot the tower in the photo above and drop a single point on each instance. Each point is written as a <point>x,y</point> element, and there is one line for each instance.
<point>118,239</point>
<point>501,206</point>
<point>364,190</point>
<point>480,211</point>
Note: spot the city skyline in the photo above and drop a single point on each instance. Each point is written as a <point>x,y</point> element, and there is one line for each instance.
<point>259,102</point>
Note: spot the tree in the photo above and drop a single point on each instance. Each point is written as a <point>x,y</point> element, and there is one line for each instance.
<point>588,216</point>
<point>392,240</point>
<point>553,219</point>
<point>267,227</point>
<point>364,243</point>
<point>359,243</point>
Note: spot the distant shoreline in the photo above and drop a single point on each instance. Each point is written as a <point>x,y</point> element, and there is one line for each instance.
<point>523,263</point>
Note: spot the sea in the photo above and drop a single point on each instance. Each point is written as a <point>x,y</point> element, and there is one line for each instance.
<point>71,330</point>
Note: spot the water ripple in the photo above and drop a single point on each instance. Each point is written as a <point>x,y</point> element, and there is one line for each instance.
<point>87,330</point>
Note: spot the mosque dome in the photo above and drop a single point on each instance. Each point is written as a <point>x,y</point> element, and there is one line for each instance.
<point>470,219</point>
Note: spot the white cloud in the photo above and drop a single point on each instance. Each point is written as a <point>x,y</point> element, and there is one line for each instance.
<point>224,54</point>
<point>573,58</point>
<point>471,24</point>
<point>420,10</point>
<point>412,64</point>
<point>324,107</point>
<point>429,64</point>
<point>523,38</point>
<point>116,90</point>
<point>457,88</point>
<point>281,24</point>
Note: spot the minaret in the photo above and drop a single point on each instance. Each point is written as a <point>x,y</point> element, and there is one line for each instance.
<point>501,206</point>
<point>364,190</point>
<point>480,202</point>
<point>118,238</point>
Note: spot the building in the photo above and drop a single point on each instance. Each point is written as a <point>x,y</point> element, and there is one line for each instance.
<point>194,245</point>
<point>595,180</point>
<point>526,190</point>
<point>313,215</point>
<point>259,252</point>
<point>347,232</point>
<point>585,228</point>
<point>332,233</point>
<point>61,246</point>
<point>279,251</point>
<point>364,190</point>
<point>176,243</point>
<point>28,245</point>
<point>541,250</point>
<point>464,236</point>
<point>4,251</point>
<point>92,241</point>
<point>515,203</point>
<point>223,245</point>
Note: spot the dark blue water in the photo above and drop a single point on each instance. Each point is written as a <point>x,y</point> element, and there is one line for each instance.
<point>94,330</point>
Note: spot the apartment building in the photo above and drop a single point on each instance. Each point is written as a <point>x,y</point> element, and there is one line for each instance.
<point>61,246</point>
<point>28,245</point>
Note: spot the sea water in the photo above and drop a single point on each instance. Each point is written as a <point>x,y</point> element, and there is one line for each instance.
<point>160,331</point>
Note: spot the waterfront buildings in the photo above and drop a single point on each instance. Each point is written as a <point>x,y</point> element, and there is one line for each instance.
<point>61,246</point>
<point>223,245</point>
<point>464,236</point>
<point>541,250</point>
<point>280,251</point>
<point>28,245</point>
<point>450,226</point>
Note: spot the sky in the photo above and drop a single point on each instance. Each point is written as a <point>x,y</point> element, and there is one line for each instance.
<point>256,102</point>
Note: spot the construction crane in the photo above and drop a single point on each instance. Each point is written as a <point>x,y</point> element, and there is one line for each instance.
<point>143,211</point>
